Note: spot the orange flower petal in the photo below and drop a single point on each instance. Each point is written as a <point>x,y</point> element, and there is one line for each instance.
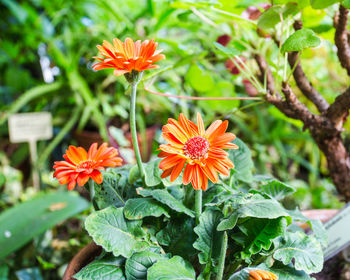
<point>128,56</point>
<point>177,170</point>
<point>97,176</point>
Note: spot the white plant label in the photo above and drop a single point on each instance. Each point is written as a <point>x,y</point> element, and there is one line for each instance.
<point>338,229</point>
<point>28,127</point>
<point>31,127</point>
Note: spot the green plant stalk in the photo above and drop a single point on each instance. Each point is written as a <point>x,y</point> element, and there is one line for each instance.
<point>198,204</point>
<point>27,97</point>
<point>133,129</point>
<point>67,127</point>
<point>92,192</point>
<point>222,257</point>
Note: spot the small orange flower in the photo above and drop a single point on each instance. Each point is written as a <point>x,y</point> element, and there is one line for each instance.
<point>128,56</point>
<point>81,165</point>
<point>197,150</point>
<point>262,275</point>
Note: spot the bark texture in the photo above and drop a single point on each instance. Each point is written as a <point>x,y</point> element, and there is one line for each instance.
<point>327,126</point>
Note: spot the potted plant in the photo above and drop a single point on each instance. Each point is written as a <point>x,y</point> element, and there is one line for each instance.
<point>193,224</point>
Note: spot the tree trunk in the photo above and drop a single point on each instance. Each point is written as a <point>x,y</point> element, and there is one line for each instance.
<point>338,161</point>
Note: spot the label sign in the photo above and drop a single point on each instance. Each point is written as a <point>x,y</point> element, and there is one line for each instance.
<point>28,127</point>
<point>338,229</point>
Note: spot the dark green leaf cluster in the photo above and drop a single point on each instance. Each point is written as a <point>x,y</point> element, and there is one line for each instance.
<point>149,231</point>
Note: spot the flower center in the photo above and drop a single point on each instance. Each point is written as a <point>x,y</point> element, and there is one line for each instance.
<point>86,166</point>
<point>196,147</point>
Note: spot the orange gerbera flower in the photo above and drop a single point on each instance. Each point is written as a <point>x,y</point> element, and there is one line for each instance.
<point>262,275</point>
<point>197,150</point>
<point>128,56</point>
<point>81,165</point>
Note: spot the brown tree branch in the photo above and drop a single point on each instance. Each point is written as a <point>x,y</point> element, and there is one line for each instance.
<point>302,81</point>
<point>341,38</point>
<point>339,109</point>
<point>264,69</point>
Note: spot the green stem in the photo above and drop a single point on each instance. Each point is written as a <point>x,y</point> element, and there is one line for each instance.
<point>221,265</point>
<point>92,192</point>
<point>198,204</point>
<point>133,128</point>
<point>234,267</point>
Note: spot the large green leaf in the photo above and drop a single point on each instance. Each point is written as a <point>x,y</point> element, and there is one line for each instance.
<point>199,79</point>
<point>208,237</point>
<point>242,159</point>
<point>346,3</point>
<point>175,268</point>
<point>137,265</point>
<point>115,188</point>
<point>138,208</point>
<point>251,205</point>
<point>259,207</point>
<point>272,16</point>
<point>260,233</point>
<point>178,236</point>
<point>152,173</point>
<point>19,224</point>
<point>277,189</point>
<point>106,269</point>
<point>322,4</point>
<point>300,40</point>
<point>317,227</point>
<point>166,198</point>
<point>114,233</point>
<point>305,250</point>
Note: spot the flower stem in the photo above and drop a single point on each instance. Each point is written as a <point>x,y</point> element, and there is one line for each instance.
<point>134,129</point>
<point>92,192</point>
<point>198,204</point>
<point>221,265</point>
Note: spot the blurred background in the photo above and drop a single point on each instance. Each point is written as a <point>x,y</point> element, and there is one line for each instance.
<point>46,50</point>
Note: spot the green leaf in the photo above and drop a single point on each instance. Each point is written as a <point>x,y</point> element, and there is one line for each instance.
<point>277,189</point>
<point>175,268</point>
<point>137,265</point>
<point>300,40</point>
<point>286,272</point>
<point>228,223</point>
<point>21,223</point>
<point>152,173</point>
<point>305,250</point>
<point>106,269</point>
<point>166,198</point>
<point>317,227</point>
<point>208,236</point>
<point>282,271</point>
<point>346,4</point>
<point>259,207</point>
<point>178,236</point>
<point>242,159</point>
<point>115,188</point>
<point>114,233</point>
<point>226,50</point>
<point>4,271</point>
<point>138,208</point>
<point>272,16</point>
<point>260,233</point>
<point>199,79</point>
<point>322,4</point>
